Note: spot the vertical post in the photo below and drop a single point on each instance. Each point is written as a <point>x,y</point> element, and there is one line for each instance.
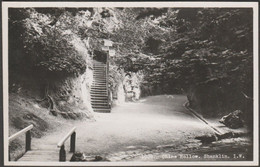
<point>9,154</point>
<point>28,141</point>
<point>73,142</point>
<point>62,154</point>
<point>107,76</point>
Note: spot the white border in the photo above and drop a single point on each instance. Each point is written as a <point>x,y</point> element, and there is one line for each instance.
<point>254,5</point>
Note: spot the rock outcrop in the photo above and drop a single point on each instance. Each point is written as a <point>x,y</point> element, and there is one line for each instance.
<point>233,120</point>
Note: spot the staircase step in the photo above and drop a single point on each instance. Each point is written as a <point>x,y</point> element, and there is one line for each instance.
<point>97,91</point>
<point>96,78</point>
<point>102,110</point>
<point>99,73</point>
<point>98,101</point>
<point>99,78</point>
<point>96,96</point>
<point>99,69</point>
<point>100,107</point>
<point>98,81</point>
<point>99,98</point>
<point>103,75</point>
<point>99,87</point>
<point>100,84</point>
<point>99,104</point>
<point>101,81</point>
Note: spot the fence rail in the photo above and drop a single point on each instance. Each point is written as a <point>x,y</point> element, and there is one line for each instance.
<point>72,135</point>
<point>27,132</point>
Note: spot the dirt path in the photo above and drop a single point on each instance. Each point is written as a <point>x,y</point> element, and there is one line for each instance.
<point>149,123</point>
<point>156,125</point>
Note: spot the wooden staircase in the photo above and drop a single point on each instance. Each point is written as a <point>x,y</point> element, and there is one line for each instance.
<point>99,89</point>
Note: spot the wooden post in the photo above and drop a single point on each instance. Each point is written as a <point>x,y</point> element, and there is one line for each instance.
<point>9,154</point>
<point>107,77</point>
<point>62,153</point>
<point>73,142</point>
<point>28,141</point>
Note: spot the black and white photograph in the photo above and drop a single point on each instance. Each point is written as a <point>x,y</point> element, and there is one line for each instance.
<point>130,83</point>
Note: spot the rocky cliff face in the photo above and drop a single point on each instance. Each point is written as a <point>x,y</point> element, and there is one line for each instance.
<point>71,96</point>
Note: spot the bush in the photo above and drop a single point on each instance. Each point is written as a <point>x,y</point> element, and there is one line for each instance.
<point>50,49</point>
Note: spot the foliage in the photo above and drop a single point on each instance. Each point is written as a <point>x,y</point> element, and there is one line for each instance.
<point>205,52</point>
<point>49,42</point>
<point>177,49</point>
<point>201,52</point>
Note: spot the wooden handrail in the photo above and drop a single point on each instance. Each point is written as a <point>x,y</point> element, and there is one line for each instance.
<point>21,132</point>
<point>72,135</point>
<point>66,137</point>
<point>107,75</point>
<point>27,132</point>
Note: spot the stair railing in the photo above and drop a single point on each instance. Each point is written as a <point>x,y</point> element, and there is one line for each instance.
<point>27,132</point>
<point>72,135</point>
<point>107,69</point>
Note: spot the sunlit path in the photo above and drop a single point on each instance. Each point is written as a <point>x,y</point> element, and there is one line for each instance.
<point>149,123</point>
